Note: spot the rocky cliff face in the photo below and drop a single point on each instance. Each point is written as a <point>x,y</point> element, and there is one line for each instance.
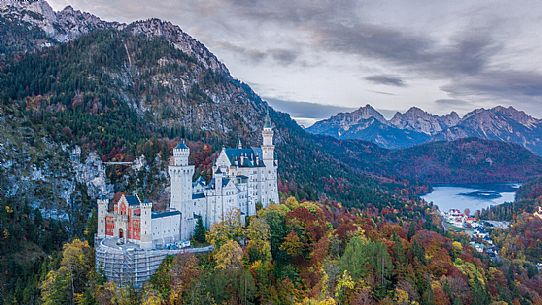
<point>418,120</point>
<point>49,174</point>
<point>62,26</point>
<point>417,126</point>
<point>341,123</point>
<point>69,24</point>
<point>182,41</point>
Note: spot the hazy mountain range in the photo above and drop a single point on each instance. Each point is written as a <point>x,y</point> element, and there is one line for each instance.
<point>416,126</point>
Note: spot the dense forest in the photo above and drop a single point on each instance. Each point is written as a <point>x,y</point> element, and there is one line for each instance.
<point>524,238</point>
<point>310,253</point>
<point>528,198</point>
<point>462,161</point>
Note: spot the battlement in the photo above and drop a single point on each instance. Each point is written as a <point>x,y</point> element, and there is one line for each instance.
<point>146,204</point>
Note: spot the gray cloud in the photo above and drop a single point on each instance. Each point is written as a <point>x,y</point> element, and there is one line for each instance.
<point>337,27</point>
<point>306,109</point>
<point>453,103</point>
<point>465,55</point>
<point>464,58</point>
<point>283,11</point>
<point>280,56</point>
<point>516,87</point>
<point>284,56</point>
<point>252,55</point>
<point>506,84</point>
<point>466,50</point>
<point>382,92</point>
<point>389,80</point>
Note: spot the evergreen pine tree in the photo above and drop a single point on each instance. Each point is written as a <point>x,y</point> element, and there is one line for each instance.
<point>199,231</point>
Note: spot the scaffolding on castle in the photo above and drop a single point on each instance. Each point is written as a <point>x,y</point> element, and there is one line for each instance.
<point>127,265</point>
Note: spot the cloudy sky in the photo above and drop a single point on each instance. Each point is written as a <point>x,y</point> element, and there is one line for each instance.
<point>315,58</point>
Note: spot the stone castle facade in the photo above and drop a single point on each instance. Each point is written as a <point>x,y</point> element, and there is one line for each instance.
<point>242,178</point>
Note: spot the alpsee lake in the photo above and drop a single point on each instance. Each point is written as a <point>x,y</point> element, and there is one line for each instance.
<point>471,196</point>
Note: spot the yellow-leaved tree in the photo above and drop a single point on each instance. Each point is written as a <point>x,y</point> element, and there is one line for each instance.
<point>229,256</point>
<point>69,281</point>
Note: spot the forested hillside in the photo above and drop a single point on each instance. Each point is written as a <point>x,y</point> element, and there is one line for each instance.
<point>460,161</point>
<point>111,92</point>
<point>130,95</point>
<point>523,241</point>
<point>528,198</point>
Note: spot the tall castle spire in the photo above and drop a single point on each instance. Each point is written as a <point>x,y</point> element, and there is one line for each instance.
<point>267,123</point>
<point>267,135</point>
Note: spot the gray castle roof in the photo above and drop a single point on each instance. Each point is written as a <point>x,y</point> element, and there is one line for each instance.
<point>225,182</point>
<point>155,215</point>
<point>242,178</point>
<point>198,195</point>
<point>181,145</point>
<point>199,181</point>
<point>249,154</point>
<point>267,123</point>
<point>132,200</point>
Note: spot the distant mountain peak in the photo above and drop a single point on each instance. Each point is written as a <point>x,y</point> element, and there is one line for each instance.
<point>517,115</point>
<point>416,119</point>
<point>154,27</point>
<point>499,123</point>
<point>367,112</point>
<point>17,3</point>
<point>453,114</point>
<point>415,110</point>
<point>61,26</point>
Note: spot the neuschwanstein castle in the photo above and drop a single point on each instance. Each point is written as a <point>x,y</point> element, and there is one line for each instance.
<point>242,178</point>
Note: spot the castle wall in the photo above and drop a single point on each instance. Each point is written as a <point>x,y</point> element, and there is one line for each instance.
<point>109,225</point>
<point>166,230</point>
<point>134,228</point>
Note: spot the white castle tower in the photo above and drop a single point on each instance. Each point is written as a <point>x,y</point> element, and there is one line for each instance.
<point>145,224</point>
<point>180,173</point>
<point>268,148</point>
<point>269,179</point>
<point>103,204</point>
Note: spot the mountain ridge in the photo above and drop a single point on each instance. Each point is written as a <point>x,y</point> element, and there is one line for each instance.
<point>499,123</point>
<point>69,24</point>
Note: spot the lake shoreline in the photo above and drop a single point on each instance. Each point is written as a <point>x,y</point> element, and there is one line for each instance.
<point>470,196</point>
